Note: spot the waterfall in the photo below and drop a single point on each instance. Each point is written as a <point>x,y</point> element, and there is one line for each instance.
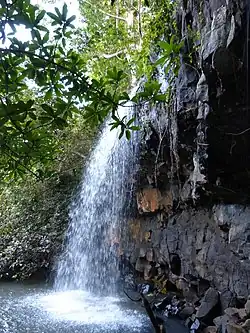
<point>90,260</point>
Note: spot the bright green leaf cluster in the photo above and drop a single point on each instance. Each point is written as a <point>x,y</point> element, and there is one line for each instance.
<point>46,83</point>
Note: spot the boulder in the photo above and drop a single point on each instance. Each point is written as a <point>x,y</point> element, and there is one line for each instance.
<point>186,312</point>
<point>221,321</point>
<point>247,307</point>
<point>141,264</point>
<point>182,284</point>
<point>234,312</point>
<point>242,313</point>
<point>210,329</point>
<point>202,89</point>
<point>228,322</point>
<point>246,325</point>
<point>147,269</point>
<point>231,311</point>
<point>150,255</point>
<point>227,299</point>
<point>142,252</point>
<point>190,295</point>
<point>234,328</point>
<point>208,302</point>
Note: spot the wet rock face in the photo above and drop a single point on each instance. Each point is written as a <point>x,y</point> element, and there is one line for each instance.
<point>150,200</point>
<point>233,320</point>
<point>208,302</point>
<point>197,158</point>
<point>195,162</point>
<point>203,149</point>
<point>197,249</point>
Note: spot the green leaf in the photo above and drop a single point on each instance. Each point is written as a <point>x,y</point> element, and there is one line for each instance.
<point>54,17</point>
<point>130,121</point>
<point>42,28</point>
<point>28,123</point>
<point>71,19</point>
<point>61,50</point>
<point>48,109</point>
<point>145,94</point>
<point>115,118</point>
<point>31,73</point>
<point>41,78</point>
<point>36,35</point>
<point>168,67</point>
<point>45,38</point>
<point>121,133</point>
<point>124,97</point>
<point>37,62</point>
<point>160,98</point>
<point>48,94</point>
<point>45,119</point>
<point>59,14</point>
<point>32,115</point>
<point>60,122</point>
<point>165,46</point>
<point>39,17</point>
<point>114,125</point>
<point>128,134</point>
<point>120,75</point>
<point>31,10</point>
<point>30,103</point>
<point>134,128</point>
<point>3,121</point>
<point>33,47</point>
<point>136,98</point>
<point>161,60</point>
<point>19,117</point>
<point>172,39</point>
<point>64,12</point>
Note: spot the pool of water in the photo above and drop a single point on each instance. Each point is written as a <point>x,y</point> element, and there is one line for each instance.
<point>36,309</point>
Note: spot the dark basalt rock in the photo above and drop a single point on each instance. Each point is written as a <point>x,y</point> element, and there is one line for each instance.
<point>201,158</point>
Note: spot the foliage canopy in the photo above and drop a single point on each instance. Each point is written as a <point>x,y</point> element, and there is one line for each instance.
<point>48,84</point>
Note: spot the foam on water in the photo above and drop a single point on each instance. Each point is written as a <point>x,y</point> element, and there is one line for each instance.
<point>82,307</point>
<point>36,310</point>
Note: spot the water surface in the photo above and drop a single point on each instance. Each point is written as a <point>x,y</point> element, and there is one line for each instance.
<point>36,309</point>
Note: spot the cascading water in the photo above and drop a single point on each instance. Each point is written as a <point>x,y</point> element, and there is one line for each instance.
<point>98,215</point>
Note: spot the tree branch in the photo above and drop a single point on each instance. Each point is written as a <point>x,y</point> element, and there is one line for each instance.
<point>240,133</point>
<point>102,11</point>
<point>18,161</point>
<point>31,54</point>
<point>108,56</point>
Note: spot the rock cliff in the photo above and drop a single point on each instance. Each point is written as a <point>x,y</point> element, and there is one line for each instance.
<point>193,219</point>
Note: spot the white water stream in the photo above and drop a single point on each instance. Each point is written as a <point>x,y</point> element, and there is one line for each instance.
<point>98,216</point>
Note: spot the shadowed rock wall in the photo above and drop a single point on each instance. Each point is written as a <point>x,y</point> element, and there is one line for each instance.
<point>193,219</point>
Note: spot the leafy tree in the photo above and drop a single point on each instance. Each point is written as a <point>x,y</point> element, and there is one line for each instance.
<point>45,82</point>
<point>124,33</point>
<point>34,214</point>
<point>57,75</point>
